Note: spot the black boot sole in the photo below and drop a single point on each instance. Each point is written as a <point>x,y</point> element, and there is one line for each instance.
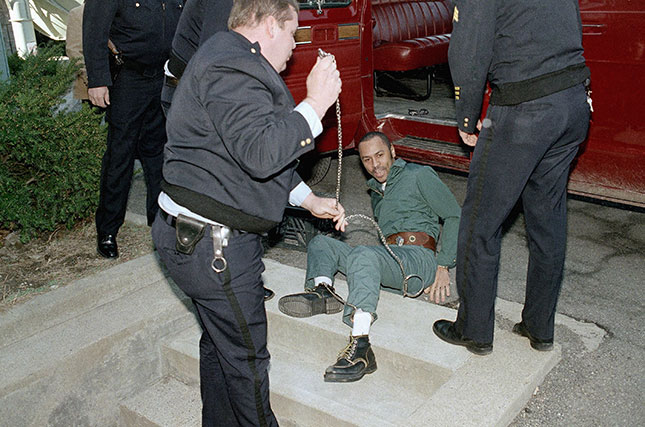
<point>298,306</point>
<point>331,377</point>
<point>536,344</point>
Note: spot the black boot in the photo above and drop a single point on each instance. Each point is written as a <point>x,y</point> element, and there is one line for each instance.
<point>356,360</point>
<point>536,343</point>
<point>309,303</point>
<point>268,294</point>
<point>447,331</point>
<point>107,247</point>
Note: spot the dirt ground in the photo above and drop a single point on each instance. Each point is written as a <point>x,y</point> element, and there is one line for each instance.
<point>59,258</point>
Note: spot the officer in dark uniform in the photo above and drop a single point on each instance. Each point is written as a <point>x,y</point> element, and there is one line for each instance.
<point>141,31</point>
<point>199,20</point>
<point>531,54</point>
<point>234,137</point>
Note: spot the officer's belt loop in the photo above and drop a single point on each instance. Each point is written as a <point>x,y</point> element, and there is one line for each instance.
<point>417,238</point>
<point>171,81</point>
<point>220,235</point>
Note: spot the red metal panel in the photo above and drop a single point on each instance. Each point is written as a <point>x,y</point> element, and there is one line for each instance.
<point>611,164</point>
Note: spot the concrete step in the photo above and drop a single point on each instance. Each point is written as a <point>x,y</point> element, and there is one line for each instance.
<point>68,302</point>
<point>100,344</point>
<point>420,380</point>
<point>168,402</point>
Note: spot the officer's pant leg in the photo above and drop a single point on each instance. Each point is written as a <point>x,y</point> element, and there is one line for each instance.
<point>325,257</point>
<point>167,92</point>
<point>232,312</point>
<point>124,118</point>
<point>369,267</point>
<point>213,384</point>
<point>545,212</point>
<point>151,145</point>
<point>505,156</point>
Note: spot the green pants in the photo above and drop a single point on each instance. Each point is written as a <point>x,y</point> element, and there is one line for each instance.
<point>368,268</point>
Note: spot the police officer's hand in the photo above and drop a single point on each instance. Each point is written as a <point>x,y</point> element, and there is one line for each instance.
<point>440,289</point>
<point>323,85</point>
<point>99,96</point>
<point>325,207</point>
<point>470,138</point>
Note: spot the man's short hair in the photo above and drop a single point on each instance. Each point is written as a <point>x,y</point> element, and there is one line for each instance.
<point>252,12</point>
<point>379,135</point>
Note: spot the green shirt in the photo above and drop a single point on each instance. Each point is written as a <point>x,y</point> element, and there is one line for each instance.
<point>415,199</point>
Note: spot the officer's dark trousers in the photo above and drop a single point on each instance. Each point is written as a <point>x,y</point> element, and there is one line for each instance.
<point>525,153</point>
<point>136,128</point>
<point>233,356</point>
<point>167,92</point>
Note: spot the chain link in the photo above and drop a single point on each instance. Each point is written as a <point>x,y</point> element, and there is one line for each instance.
<point>340,152</point>
<point>339,172</point>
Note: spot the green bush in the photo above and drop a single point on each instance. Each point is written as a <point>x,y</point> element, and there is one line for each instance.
<point>50,160</point>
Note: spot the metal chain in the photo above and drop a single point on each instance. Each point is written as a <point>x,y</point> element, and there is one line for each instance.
<point>340,152</point>
<point>391,252</point>
<point>339,172</point>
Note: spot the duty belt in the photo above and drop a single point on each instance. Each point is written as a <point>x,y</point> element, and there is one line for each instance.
<point>190,231</point>
<point>416,238</point>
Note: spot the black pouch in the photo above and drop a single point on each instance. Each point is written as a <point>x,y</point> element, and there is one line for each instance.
<point>189,232</point>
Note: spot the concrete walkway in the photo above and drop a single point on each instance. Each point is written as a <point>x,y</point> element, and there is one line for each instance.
<point>75,355</point>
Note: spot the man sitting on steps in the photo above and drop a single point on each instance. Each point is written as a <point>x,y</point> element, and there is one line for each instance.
<point>408,200</point>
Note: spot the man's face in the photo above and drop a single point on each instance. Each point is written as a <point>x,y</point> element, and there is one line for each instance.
<point>376,157</point>
<point>284,41</point>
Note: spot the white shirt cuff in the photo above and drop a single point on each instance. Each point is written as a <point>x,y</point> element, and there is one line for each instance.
<point>299,194</point>
<point>311,117</point>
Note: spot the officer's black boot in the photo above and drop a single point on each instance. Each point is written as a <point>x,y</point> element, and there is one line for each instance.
<point>309,303</point>
<point>356,360</point>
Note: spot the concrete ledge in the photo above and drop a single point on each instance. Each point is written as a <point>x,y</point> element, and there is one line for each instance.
<point>65,303</point>
<point>166,403</point>
<point>420,380</point>
<point>99,343</point>
<point>72,356</point>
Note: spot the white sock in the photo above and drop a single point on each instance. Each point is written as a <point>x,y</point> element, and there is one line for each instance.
<point>322,279</point>
<point>362,322</point>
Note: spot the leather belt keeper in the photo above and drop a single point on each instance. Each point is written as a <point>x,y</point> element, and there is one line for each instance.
<point>416,238</point>
<point>171,81</point>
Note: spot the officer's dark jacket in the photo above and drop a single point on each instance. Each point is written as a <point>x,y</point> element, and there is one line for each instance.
<point>233,136</point>
<point>526,49</point>
<point>141,29</point>
<point>199,20</point>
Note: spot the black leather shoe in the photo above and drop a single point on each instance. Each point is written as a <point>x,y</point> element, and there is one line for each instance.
<point>107,247</point>
<point>536,343</point>
<point>268,294</point>
<point>446,330</point>
<point>309,303</point>
<point>354,362</point>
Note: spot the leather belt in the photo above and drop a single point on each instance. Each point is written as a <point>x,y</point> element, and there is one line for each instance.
<point>171,81</point>
<point>168,219</point>
<point>172,221</point>
<point>416,238</point>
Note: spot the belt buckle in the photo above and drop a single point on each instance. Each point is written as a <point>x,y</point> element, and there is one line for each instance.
<point>400,241</point>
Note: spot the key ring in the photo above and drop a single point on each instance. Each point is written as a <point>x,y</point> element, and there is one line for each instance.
<point>214,264</point>
<point>220,240</point>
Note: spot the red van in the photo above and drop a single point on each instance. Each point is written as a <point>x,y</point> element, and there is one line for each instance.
<point>392,56</point>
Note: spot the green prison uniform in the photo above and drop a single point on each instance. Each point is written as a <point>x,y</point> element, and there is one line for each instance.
<point>415,199</point>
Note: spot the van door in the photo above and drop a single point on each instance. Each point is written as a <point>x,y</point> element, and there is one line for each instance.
<point>335,27</point>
